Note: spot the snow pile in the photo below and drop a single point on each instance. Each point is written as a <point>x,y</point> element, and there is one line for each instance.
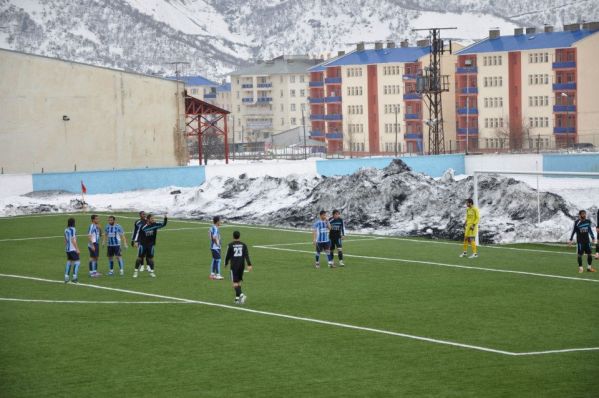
<point>393,201</point>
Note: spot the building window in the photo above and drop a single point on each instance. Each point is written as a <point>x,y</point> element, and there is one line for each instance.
<point>292,107</point>
<point>282,121</point>
<point>293,121</point>
<point>292,93</point>
<point>302,93</point>
<point>292,79</point>
<point>302,78</point>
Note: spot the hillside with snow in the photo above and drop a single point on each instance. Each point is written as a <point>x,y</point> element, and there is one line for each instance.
<point>217,36</point>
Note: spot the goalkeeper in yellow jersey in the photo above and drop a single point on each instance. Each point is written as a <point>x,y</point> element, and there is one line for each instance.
<point>471,229</point>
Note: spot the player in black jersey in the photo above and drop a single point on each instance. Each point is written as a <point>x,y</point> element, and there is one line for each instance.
<point>597,246</point>
<point>238,255</point>
<point>135,237</point>
<point>146,243</point>
<point>336,235</point>
<point>584,234</point>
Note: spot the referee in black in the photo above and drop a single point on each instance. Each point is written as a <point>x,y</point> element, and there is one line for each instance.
<point>238,255</point>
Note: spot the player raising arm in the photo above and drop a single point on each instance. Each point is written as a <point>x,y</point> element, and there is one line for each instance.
<point>135,236</point>
<point>584,234</point>
<point>238,255</point>
<point>146,243</point>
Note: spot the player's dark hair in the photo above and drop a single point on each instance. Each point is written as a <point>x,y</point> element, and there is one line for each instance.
<point>112,218</point>
<point>94,216</point>
<point>142,212</point>
<point>149,215</point>
<point>236,234</point>
<point>470,201</point>
<point>322,212</point>
<point>335,211</point>
<point>71,222</point>
<point>582,211</point>
<point>215,219</point>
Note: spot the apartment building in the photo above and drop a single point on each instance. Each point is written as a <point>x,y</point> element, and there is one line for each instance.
<point>365,102</point>
<point>270,97</point>
<point>532,89</point>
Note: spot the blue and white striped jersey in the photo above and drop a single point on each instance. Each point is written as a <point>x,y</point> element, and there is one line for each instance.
<point>94,231</point>
<point>69,235</point>
<point>322,230</point>
<point>214,235</point>
<point>113,233</point>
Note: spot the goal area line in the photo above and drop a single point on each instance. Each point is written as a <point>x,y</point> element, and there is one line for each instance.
<point>315,321</point>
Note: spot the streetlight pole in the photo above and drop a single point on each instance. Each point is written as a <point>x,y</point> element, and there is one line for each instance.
<point>395,106</point>
<point>304,126</point>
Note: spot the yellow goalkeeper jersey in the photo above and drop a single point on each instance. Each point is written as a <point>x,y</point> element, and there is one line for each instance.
<point>472,216</point>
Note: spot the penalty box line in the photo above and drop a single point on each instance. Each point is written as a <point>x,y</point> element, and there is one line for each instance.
<point>86,301</point>
<point>403,260</point>
<point>313,320</point>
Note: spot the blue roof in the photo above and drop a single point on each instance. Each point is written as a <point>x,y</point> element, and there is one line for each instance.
<point>223,87</point>
<point>195,81</point>
<point>526,42</point>
<point>382,56</point>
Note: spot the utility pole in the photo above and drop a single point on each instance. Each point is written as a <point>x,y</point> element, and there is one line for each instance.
<point>304,126</point>
<point>467,120</point>
<point>396,127</point>
<point>432,84</point>
<point>233,122</point>
<point>178,70</point>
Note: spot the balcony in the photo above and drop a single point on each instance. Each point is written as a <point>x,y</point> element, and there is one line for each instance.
<point>247,85</point>
<point>316,100</point>
<point>564,108</point>
<point>564,86</point>
<point>410,76</point>
<point>262,100</point>
<point>466,69</point>
<point>334,116</point>
<point>564,65</point>
<point>335,136</point>
<point>316,134</point>
<point>413,116</point>
<point>413,136</point>
<point>264,85</point>
<point>316,84</point>
<point>470,130</point>
<point>333,99</point>
<point>210,96</point>
<point>564,130</point>
<point>467,111</point>
<point>469,90</point>
<point>332,80</point>
<point>247,100</point>
<point>317,117</point>
<point>412,96</point>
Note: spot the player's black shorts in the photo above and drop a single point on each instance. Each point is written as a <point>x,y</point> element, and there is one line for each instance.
<point>73,256</point>
<point>216,254</point>
<point>336,243</point>
<point>114,251</point>
<point>322,246</point>
<point>145,251</point>
<point>584,248</point>
<point>237,274</point>
<point>94,251</point>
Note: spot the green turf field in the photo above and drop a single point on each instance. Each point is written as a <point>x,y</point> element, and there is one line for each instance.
<point>405,317</point>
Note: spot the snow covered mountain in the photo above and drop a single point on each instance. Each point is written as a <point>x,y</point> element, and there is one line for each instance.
<point>216,36</point>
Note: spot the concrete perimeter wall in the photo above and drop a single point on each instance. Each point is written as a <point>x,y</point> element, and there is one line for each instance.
<point>112,181</point>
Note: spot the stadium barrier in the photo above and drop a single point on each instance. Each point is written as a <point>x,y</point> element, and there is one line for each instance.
<point>580,162</point>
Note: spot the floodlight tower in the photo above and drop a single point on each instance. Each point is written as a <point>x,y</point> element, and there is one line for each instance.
<point>432,84</point>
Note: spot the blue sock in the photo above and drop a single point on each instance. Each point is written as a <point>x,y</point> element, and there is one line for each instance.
<point>91,268</point>
<point>213,266</point>
<point>218,266</point>
<point>317,256</point>
<point>67,270</point>
<point>111,264</point>
<point>95,266</point>
<point>330,256</point>
<point>76,269</point>
<point>121,264</point>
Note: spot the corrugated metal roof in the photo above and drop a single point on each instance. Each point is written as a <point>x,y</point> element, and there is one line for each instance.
<point>278,66</point>
<point>526,42</point>
<point>195,81</point>
<point>382,56</point>
<point>224,87</point>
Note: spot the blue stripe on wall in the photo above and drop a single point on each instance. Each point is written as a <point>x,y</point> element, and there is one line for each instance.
<point>583,162</point>
<point>112,181</point>
<point>433,166</point>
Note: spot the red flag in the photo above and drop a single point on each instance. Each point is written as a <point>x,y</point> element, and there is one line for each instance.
<point>83,188</point>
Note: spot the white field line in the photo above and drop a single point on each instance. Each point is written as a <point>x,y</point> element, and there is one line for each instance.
<point>86,301</point>
<point>82,235</point>
<point>403,260</point>
<point>312,320</point>
<point>307,231</point>
<point>310,243</point>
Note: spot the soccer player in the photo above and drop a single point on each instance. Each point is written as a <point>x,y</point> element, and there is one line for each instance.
<point>93,245</point>
<point>584,233</point>
<point>72,249</point>
<point>136,227</point>
<point>320,238</point>
<point>146,243</point>
<point>471,228</point>
<point>215,246</point>
<point>238,255</point>
<point>597,245</point>
<point>114,234</point>
<point>337,235</point>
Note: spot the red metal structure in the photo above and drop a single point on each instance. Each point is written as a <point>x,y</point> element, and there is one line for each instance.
<point>202,117</point>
